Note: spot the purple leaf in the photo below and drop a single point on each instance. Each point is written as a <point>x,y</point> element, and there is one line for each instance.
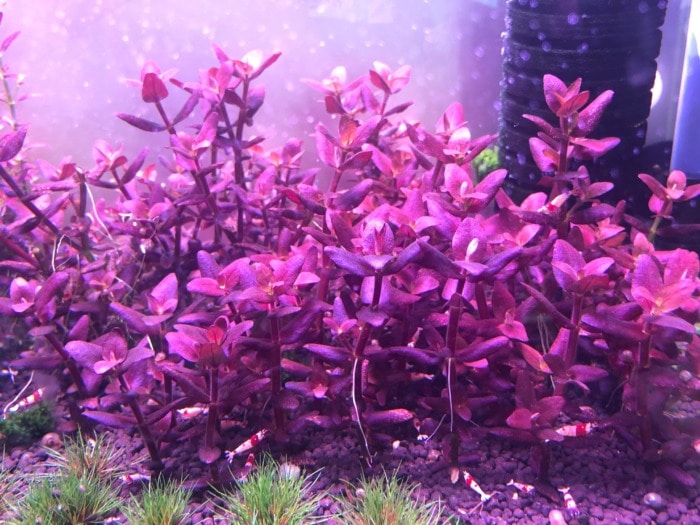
<point>332,354</point>
<point>300,326</point>
<point>482,349</point>
<point>84,353</point>
<point>186,380</point>
<point>208,455</point>
<point>327,147</point>
<point>153,88</point>
<point>351,198</point>
<point>612,326</point>
<point>356,161</point>
<point>589,117</point>
<point>427,143</point>
<point>438,261</point>
<point>351,262</point>
<point>593,215</point>
<point>256,97</point>
<point>265,64</point>
<point>51,288</point>
<point>343,231</point>
<point>133,319</point>
<point>11,144</point>
<point>549,408</point>
<point>676,474</point>
<point>388,417</point>
<point>587,374</point>
<point>141,123</point>
<point>163,297</point>
<point>8,40</point>
<point>521,418</point>
<point>491,184</point>
<point>207,265</point>
<point>545,157</point>
<point>543,125</point>
<point>134,167</point>
<point>206,286</point>
<point>111,420</point>
<point>187,107</point>
<point>534,358</point>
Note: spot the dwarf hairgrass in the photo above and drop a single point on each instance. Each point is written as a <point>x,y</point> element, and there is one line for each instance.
<point>93,458</point>
<point>271,496</point>
<point>160,503</point>
<point>386,501</point>
<point>66,499</point>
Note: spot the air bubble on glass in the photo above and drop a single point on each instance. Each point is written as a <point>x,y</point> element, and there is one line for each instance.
<point>573,19</point>
<point>546,46</point>
<point>524,55</point>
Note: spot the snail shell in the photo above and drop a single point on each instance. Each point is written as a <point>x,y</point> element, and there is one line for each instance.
<point>52,440</point>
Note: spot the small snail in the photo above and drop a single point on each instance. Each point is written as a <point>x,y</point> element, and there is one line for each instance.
<point>52,440</point>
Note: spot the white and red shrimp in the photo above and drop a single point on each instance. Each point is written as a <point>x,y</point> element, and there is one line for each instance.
<point>250,443</point>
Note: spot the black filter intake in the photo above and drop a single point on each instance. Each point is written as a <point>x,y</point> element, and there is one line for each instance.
<point>610,44</point>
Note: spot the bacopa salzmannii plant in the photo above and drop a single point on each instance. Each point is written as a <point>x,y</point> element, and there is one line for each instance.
<point>401,296</point>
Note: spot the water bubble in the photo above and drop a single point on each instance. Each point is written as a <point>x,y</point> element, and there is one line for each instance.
<point>546,46</point>
<point>534,4</point>
<point>573,19</point>
<point>479,51</point>
<point>521,159</point>
<point>534,24</point>
<point>524,55</point>
<point>541,36</point>
<point>636,151</point>
<point>643,7</point>
<point>582,47</point>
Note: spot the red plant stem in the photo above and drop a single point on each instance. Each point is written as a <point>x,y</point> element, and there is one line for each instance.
<point>164,116</point>
<point>643,388</point>
<point>142,425</point>
<point>481,303</point>
<point>377,290</point>
<point>276,372</point>
<point>544,462</point>
<point>435,177</point>
<point>212,416</point>
<point>455,311</point>
<point>120,184</point>
<point>357,395</point>
<point>18,250</point>
<point>82,211</point>
<point>657,220</point>
<point>27,203</point>
<point>70,364</point>
<point>362,341</point>
<point>571,348</point>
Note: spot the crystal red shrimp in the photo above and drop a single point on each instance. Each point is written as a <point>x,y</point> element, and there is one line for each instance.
<point>250,443</point>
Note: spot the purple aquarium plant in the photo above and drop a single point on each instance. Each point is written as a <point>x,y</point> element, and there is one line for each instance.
<point>383,289</point>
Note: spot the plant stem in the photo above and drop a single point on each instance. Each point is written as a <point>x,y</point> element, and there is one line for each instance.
<point>142,425</point>
<point>70,364</point>
<point>657,221</point>
<point>28,203</point>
